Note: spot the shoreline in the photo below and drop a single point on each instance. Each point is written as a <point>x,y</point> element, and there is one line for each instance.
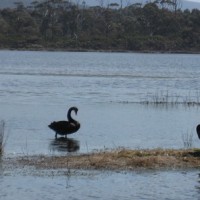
<point>119,159</point>
<point>43,49</point>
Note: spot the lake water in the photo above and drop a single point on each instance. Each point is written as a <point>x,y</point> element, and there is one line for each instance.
<point>180,185</point>
<point>37,88</point>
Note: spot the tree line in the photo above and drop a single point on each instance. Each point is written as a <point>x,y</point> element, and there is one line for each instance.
<point>58,24</point>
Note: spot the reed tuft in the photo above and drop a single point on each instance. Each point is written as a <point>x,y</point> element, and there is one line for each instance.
<point>166,98</point>
<point>2,132</point>
<point>187,140</point>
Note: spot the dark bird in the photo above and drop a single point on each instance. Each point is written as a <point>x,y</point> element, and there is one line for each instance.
<point>66,127</point>
<point>198,130</point>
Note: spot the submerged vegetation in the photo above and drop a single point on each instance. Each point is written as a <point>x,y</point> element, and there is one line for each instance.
<point>58,24</point>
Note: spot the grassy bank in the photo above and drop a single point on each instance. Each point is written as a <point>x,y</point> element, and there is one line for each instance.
<point>120,159</point>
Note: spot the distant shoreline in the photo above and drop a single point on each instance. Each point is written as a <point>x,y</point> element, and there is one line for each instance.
<point>100,51</point>
<point>154,27</point>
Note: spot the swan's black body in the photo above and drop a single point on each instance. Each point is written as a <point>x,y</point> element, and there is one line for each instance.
<point>198,130</point>
<point>66,127</point>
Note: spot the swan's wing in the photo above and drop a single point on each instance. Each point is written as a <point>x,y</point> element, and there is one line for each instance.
<point>64,124</point>
<point>63,127</point>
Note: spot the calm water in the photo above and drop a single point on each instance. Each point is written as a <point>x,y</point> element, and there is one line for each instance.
<point>60,78</point>
<point>38,87</point>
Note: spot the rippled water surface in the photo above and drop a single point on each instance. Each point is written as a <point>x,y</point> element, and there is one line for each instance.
<point>63,77</point>
<point>179,185</point>
<point>37,88</point>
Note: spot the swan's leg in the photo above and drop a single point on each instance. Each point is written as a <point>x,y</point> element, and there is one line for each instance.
<point>56,135</point>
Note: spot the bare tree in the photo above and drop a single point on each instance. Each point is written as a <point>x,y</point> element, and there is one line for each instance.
<point>101,3</point>
<point>176,4</point>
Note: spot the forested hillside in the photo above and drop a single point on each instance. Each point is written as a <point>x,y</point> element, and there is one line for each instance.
<point>158,26</point>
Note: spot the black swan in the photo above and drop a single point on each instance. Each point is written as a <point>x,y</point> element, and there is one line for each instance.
<point>198,130</point>
<point>66,127</point>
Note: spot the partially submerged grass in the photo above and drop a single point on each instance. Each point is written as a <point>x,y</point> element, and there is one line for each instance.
<point>2,131</point>
<point>120,159</point>
<point>187,140</point>
<point>166,98</point>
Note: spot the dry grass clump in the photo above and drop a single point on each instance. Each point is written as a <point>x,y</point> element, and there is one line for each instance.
<point>120,159</point>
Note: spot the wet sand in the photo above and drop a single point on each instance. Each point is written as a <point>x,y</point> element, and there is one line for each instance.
<point>120,159</point>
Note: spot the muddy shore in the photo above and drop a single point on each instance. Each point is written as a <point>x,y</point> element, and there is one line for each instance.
<point>120,159</point>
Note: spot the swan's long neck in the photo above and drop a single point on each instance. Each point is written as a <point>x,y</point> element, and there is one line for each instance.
<point>69,116</point>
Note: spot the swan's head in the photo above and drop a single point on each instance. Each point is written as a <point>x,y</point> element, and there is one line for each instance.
<point>75,109</point>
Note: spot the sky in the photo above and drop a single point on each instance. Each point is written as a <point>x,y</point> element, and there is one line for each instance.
<point>185,3</point>
<point>190,4</point>
<point>93,2</point>
<point>198,1</point>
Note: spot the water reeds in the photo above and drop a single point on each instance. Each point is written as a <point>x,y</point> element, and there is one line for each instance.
<point>166,98</point>
<point>2,131</point>
<point>187,140</point>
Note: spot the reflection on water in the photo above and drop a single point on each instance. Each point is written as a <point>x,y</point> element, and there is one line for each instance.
<point>197,187</point>
<point>1,167</point>
<point>63,144</point>
<point>82,185</point>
